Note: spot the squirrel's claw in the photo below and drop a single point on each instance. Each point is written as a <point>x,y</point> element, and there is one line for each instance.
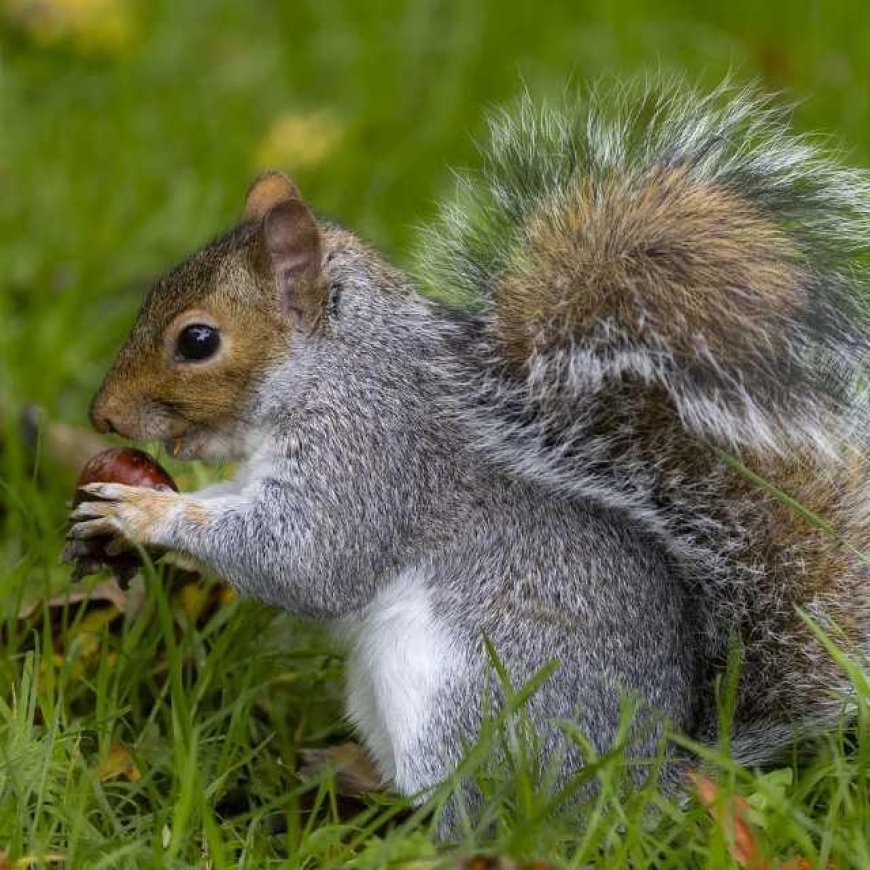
<point>116,547</point>
<point>86,567</point>
<point>89,510</point>
<point>84,529</point>
<point>74,550</point>
<point>127,514</point>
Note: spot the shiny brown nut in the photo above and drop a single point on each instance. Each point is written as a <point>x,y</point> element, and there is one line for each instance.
<point>123,465</point>
<point>117,465</point>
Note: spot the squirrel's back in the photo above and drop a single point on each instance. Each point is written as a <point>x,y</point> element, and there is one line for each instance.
<point>672,294</point>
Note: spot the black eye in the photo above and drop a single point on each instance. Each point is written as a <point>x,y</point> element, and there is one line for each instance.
<point>197,342</point>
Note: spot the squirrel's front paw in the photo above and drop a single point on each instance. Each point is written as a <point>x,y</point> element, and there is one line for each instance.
<point>127,514</point>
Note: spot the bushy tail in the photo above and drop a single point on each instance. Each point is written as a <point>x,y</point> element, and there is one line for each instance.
<point>666,281</point>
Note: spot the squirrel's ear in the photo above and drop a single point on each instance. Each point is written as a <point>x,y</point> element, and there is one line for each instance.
<point>267,191</point>
<point>292,243</point>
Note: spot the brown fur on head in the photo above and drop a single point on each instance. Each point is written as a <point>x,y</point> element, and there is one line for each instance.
<point>255,285</point>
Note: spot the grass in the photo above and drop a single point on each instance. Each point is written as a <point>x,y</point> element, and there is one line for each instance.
<point>169,735</point>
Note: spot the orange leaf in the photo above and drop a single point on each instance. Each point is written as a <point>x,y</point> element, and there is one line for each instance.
<point>730,815</point>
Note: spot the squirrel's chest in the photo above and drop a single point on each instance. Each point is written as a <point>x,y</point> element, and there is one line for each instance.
<point>400,657</point>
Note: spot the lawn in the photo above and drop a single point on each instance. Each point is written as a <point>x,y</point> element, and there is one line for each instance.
<point>166,726</point>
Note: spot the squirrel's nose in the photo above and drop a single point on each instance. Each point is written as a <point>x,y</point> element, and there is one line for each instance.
<point>100,413</point>
<point>104,425</point>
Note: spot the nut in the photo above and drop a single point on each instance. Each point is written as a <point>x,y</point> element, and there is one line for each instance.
<point>117,465</point>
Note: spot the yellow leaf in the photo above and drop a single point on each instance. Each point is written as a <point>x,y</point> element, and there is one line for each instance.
<point>226,594</point>
<point>84,642</point>
<point>117,763</point>
<point>27,861</point>
<point>90,26</point>
<point>108,591</point>
<point>193,598</point>
<point>299,140</point>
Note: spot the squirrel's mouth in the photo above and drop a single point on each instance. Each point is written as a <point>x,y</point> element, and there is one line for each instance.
<point>201,442</point>
<point>185,446</point>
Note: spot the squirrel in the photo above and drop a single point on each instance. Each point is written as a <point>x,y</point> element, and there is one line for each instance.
<point>594,452</point>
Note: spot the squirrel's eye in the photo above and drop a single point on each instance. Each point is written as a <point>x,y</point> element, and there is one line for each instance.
<point>197,342</point>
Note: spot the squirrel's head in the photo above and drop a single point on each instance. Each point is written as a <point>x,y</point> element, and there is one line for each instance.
<point>215,325</point>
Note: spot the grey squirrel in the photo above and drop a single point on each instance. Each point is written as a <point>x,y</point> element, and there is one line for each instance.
<point>659,325</point>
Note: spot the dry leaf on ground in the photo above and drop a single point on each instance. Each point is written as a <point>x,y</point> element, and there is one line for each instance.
<point>355,773</point>
<point>118,763</point>
<point>730,814</point>
<point>108,591</point>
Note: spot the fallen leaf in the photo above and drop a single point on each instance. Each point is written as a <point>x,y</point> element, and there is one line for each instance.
<point>227,595</point>
<point>108,591</point>
<point>76,621</point>
<point>730,815</point>
<point>117,763</point>
<point>194,598</point>
<point>198,600</point>
<point>26,861</point>
<point>355,773</point>
<point>299,140</point>
<point>89,26</point>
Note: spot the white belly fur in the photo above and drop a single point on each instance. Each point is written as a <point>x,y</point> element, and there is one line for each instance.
<point>399,655</point>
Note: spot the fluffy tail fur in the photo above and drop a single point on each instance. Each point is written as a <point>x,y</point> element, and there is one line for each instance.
<point>667,281</point>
